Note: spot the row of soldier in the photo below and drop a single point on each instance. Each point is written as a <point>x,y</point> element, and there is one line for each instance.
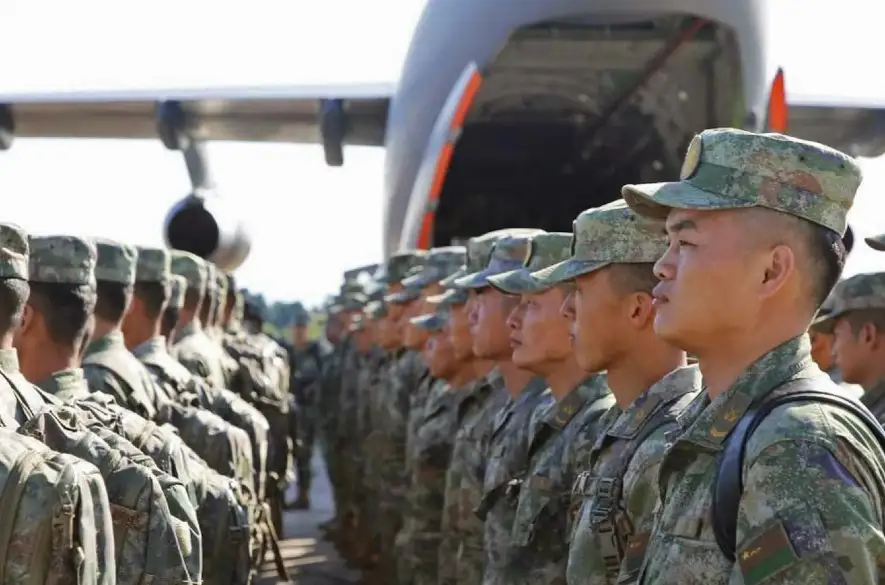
<point>145,423</point>
<point>533,415</point>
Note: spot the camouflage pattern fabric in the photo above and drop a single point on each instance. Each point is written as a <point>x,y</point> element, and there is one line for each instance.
<point>536,547</point>
<point>812,500</point>
<point>47,490</point>
<point>431,455</point>
<point>469,466</point>
<point>116,262</point>
<point>193,348</point>
<point>110,368</point>
<point>858,292</point>
<point>20,399</point>
<point>615,497</point>
<point>306,371</point>
<point>726,168</point>
<point>14,251</point>
<point>505,458</point>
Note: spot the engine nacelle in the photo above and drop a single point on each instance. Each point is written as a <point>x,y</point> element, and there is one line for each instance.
<point>206,226</point>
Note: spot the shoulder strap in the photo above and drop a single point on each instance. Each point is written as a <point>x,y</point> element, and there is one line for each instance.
<point>729,486</point>
<point>22,400</point>
<point>113,362</point>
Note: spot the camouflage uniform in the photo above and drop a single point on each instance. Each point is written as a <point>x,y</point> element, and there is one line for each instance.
<point>813,479</point>
<point>536,548</point>
<point>107,363</point>
<point>192,346</point>
<point>861,291</point>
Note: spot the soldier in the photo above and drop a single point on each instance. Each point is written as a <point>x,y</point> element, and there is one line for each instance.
<point>857,322</point>
<point>504,454</point>
<point>306,366</point>
<point>107,364</point>
<point>191,346</point>
<point>754,225</point>
<point>169,320</point>
<point>822,339</point>
<point>535,551</point>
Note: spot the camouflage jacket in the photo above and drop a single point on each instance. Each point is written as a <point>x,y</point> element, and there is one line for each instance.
<point>813,483</point>
<point>874,399</point>
<point>477,400</point>
<point>199,354</point>
<point>505,460</point>
<point>418,403</point>
<point>538,541</point>
<point>110,368</point>
<point>469,462</point>
<point>305,370</point>
<point>18,397</point>
<point>616,495</point>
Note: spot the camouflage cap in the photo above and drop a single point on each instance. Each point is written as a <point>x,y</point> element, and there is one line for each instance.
<point>404,296</point>
<point>191,267</point>
<point>479,249</point>
<point>611,234</point>
<point>116,262</point>
<point>726,168</point>
<point>13,252</point>
<point>431,322</point>
<point>177,288</point>
<point>62,260</point>
<point>439,264</point>
<point>450,298</point>
<point>357,323</point>
<point>508,253</point>
<point>861,291</point>
<point>876,242</point>
<point>300,316</point>
<point>375,310</point>
<point>544,250</point>
<point>397,266</point>
<point>353,274</point>
<point>153,265</point>
<point>449,281</point>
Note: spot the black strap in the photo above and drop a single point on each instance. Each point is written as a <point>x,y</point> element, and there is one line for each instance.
<point>729,484</point>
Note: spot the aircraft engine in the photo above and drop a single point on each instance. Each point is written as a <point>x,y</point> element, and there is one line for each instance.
<point>205,225</point>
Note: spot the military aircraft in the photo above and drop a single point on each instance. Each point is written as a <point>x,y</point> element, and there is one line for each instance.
<point>506,114</point>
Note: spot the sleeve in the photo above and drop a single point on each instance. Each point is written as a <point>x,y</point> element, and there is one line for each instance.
<point>809,514</point>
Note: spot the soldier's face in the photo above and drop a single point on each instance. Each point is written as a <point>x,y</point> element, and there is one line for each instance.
<point>439,355</point>
<point>539,332</point>
<point>414,337</point>
<point>388,333</point>
<point>822,349</point>
<point>708,290</point>
<point>854,351</point>
<point>489,310</point>
<point>599,320</point>
<point>458,328</point>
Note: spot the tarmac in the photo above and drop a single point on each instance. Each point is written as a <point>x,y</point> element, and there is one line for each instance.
<point>309,559</point>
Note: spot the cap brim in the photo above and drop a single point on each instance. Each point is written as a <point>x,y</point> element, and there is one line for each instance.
<point>419,280</point>
<point>824,323</point>
<point>517,282</point>
<point>449,281</point>
<point>430,322</point>
<point>446,299</point>
<point>475,280</point>
<point>876,242</point>
<point>655,200</point>
<point>567,270</point>
<point>402,297</point>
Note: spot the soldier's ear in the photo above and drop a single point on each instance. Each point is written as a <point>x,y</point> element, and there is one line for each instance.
<point>28,317</point>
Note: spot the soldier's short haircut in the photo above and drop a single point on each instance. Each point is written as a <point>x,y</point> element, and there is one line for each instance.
<point>170,320</point>
<point>821,255</point>
<point>65,308</point>
<point>13,297</point>
<point>859,317</point>
<point>192,298</point>
<point>113,299</point>
<point>154,296</point>
<point>633,278</point>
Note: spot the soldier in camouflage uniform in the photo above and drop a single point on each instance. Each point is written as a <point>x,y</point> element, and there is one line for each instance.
<point>177,288</point>
<point>508,437</point>
<point>305,366</point>
<point>857,321</point>
<point>608,462</point>
<point>822,339</point>
<point>754,225</point>
<point>534,550</point>
<point>191,345</point>
<point>107,363</point>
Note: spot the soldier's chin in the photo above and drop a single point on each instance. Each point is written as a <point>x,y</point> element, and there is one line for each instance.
<point>668,328</point>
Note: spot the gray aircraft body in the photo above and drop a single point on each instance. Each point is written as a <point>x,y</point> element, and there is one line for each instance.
<point>507,114</point>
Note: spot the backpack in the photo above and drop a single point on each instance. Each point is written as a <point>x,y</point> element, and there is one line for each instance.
<point>55,519</point>
<point>155,537</point>
<point>729,485</point>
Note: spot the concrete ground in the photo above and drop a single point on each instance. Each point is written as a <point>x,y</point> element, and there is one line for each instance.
<point>309,559</point>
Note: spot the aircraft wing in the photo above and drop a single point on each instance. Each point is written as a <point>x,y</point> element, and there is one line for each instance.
<point>272,114</point>
<point>855,126</point>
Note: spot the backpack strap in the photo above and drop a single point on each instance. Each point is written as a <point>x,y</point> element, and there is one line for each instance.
<point>729,486</point>
<point>116,363</point>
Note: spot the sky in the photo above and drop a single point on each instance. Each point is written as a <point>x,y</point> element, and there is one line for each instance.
<point>309,221</point>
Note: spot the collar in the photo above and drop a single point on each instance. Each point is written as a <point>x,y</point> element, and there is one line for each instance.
<point>151,346</point>
<point>9,361</point>
<point>590,389</point>
<point>717,418</point>
<point>681,381</point>
<point>113,340</point>
<point>66,384</point>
